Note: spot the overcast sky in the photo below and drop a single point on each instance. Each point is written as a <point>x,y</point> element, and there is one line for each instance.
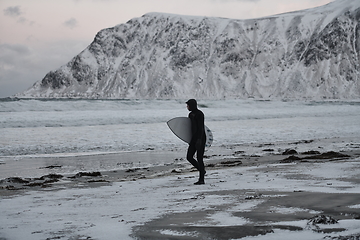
<point>38,36</point>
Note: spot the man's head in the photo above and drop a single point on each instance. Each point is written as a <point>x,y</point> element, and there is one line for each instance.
<point>191,104</point>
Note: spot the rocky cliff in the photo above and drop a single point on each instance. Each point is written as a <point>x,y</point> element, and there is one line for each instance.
<point>309,54</point>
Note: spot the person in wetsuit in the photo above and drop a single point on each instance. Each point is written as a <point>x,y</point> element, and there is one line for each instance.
<point>198,140</point>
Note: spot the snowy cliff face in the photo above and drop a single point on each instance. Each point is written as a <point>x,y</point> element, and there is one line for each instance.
<point>309,54</point>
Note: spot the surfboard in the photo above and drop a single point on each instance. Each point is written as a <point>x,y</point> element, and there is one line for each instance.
<point>181,127</point>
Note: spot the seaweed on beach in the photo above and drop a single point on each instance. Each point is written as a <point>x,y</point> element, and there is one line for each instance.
<point>317,220</point>
<point>52,167</point>
<point>15,180</point>
<point>86,174</point>
<point>324,156</point>
<point>51,176</point>
<point>17,183</point>
<point>311,152</point>
<point>289,152</point>
<point>231,163</point>
<point>290,159</point>
<point>350,237</point>
<point>328,155</point>
<point>322,219</point>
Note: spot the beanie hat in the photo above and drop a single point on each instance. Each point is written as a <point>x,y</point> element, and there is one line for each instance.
<point>192,104</point>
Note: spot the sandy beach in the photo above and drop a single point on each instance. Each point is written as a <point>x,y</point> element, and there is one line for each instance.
<point>308,189</point>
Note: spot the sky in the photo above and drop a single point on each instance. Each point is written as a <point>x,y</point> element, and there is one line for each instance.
<point>39,36</point>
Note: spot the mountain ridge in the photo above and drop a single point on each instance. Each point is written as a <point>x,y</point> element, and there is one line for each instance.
<point>307,54</point>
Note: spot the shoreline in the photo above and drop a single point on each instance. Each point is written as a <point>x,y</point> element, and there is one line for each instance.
<point>72,163</point>
<point>257,190</point>
<point>140,164</point>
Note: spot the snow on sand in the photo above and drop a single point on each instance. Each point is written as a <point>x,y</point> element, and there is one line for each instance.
<point>262,198</point>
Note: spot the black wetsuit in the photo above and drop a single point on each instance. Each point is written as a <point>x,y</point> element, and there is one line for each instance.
<point>198,140</point>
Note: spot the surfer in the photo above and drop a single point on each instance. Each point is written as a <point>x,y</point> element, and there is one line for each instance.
<point>198,140</point>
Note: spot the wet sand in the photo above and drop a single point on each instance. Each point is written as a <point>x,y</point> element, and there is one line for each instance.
<point>263,219</point>
<point>268,215</point>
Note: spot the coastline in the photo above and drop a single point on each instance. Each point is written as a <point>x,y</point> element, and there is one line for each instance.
<point>262,190</point>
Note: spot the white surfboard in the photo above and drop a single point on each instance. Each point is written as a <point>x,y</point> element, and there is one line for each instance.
<point>181,127</point>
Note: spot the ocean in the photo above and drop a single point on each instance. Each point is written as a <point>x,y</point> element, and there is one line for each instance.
<point>62,128</point>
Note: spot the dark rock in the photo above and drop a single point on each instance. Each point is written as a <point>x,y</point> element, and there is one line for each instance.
<point>289,152</point>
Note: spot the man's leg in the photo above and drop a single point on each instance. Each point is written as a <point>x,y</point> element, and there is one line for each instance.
<point>190,156</point>
<point>200,159</point>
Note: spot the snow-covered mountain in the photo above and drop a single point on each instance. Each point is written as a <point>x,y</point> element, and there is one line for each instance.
<point>309,54</point>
